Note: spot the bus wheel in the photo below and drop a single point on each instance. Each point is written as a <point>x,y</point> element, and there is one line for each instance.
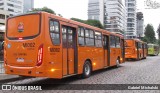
<point>117,63</point>
<point>86,70</point>
<point>157,54</point>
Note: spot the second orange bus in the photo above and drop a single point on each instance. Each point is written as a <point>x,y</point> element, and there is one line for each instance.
<point>135,49</point>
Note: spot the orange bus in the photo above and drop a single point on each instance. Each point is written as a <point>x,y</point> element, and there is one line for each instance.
<point>45,45</point>
<point>135,49</point>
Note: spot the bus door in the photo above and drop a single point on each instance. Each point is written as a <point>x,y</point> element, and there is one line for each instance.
<point>106,50</point>
<point>137,48</point>
<point>123,49</point>
<point>69,50</point>
<point>143,49</point>
<point>112,50</point>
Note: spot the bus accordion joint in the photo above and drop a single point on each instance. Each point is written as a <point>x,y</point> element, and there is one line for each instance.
<point>40,55</point>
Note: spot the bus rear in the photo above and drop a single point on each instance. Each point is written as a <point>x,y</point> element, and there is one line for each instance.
<point>23,52</point>
<point>153,49</point>
<point>130,49</point>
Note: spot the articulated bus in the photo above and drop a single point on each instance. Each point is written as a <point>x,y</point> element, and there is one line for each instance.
<point>45,45</point>
<point>135,49</point>
<point>153,49</point>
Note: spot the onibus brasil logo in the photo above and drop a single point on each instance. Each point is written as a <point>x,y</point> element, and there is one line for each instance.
<point>150,4</point>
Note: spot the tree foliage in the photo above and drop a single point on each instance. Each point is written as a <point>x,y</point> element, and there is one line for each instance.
<point>95,23</point>
<point>158,31</point>
<point>78,20</point>
<point>158,41</point>
<point>45,9</point>
<point>150,34</point>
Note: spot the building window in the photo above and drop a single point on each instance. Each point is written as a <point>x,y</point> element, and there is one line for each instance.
<point>2,16</point>
<point>10,10</point>
<point>1,4</point>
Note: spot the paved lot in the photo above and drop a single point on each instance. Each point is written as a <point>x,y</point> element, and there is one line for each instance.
<point>132,72</point>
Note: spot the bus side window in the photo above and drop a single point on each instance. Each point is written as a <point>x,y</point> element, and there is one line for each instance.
<point>112,41</point>
<point>118,42</point>
<point>89,37</point>
<point>54,32</point>
<point>139,45</point>
<point>98,39</point>
<point>81,36</point>
<point>105,44</point>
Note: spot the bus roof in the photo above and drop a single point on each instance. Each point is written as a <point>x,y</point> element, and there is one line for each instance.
<point>137,40</point>
<point>153,44</point>
<point>71,22</point>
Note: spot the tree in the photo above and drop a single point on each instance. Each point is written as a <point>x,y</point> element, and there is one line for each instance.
<point>158,31</point>
<point>95,23</point>
<point>45,9</point>
<point>78,20</point>
<point>145,39</point>
<point>60,15</point>
<point>158,41</point>
<point>150,34</point>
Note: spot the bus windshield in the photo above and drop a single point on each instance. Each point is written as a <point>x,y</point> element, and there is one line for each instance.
<point>150,46</point>
<point>23,26</point>
<point>129,43</point>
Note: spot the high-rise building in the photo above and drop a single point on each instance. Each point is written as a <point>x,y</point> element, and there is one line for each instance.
<point>131,19</point>
<point>13,6</point>
<point>140,25</point>
<point>3,16</point>
<point>96,10</point>
<point>28,5</point>
<point>115,20</point>
<point>111,13</point>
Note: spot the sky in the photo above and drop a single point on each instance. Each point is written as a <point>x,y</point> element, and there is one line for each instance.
<point>79,8</point>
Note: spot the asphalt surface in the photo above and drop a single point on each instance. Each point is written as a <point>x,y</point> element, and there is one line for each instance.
<point>145,71</point>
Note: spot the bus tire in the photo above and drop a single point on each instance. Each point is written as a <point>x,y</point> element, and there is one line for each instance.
<point>86,70</point>
<point>21,76</point>
<point>117,63</point>
<point>157,54</point>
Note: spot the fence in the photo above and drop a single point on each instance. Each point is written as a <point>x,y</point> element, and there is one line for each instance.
<point>1,67</point>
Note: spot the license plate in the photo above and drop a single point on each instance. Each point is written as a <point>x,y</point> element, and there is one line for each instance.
<point>20,59</point>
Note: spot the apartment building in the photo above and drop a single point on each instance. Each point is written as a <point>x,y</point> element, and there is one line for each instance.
<point>14,7</point>
<point>131,19</point>
<point>111,13</point>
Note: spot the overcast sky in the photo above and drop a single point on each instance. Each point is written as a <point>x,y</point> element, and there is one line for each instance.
<point>78,9</point>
